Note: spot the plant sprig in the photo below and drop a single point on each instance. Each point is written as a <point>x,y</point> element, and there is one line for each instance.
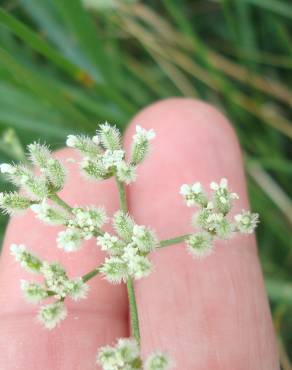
<point>127,248</point>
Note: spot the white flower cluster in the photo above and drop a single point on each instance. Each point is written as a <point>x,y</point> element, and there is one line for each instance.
<point>84,224</point>
<point>103,155</point>
<point>52,314</point>
<point>127,247</point>
<point>128,250</point>
<point>56,284</point>
<point>50,179</point>
<point>126,356</point>
<point>212,219</point>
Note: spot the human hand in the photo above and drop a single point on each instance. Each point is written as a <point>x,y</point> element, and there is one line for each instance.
<point>207,314</point>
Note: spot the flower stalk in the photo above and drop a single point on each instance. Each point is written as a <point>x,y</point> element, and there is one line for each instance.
<point>134,318</point>
<point>55,198</point>
<point>91,274</point>
<point>172,241</point>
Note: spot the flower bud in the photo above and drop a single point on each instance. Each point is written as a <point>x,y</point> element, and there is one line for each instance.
<point>158,361</point>
<point>13,202</point>
<point>110,244</point>
<point>27,260</point>
<point>39,154</point>
<point>141,145</point>
<point>110,136</point>
<point>95,169</point>
<point>77,289</point>
<point>52,314</point>
<point>222,197</point>
<point>126,172</point>
<point>144,239</point>
<point>87,146</point>
<point>246,222</point>
<point>123,225</point>
<point>200,244</point>
<point>49,214</point>
<point>56,174</point>
<point>69,240</point>
<point>33,292</point>
<point>115,270</point>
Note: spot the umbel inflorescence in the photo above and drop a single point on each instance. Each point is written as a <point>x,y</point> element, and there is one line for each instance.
<point>127,247</point>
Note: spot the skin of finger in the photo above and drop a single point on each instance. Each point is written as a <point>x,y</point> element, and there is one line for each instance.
<point>211,313</point>
<point>91,323</point>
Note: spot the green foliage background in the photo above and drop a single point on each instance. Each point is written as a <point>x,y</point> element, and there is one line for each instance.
<point>64,67</point>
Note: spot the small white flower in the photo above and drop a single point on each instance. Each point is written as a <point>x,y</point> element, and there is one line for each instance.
<point>185,190</point>
<point>89,220</point>
<point>140,145</point>
<point>142,134</point>
<point>194,195</point>
<point>200,244</point>
<point>112,158</point>
<point>51,315</point>
<point>223,184</point>
<point>17,250</point>
<point>246,222</point>
<point>7,168</point>
<point>71,141</point>
<point>158,361</point>
<point>110,243</point>
<point>197,188</point>
<point>69,240</point>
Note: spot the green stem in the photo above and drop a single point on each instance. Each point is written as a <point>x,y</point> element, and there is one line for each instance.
<point>90,274</point>
<point>122,196</point>
<point>177,240</point>
<point>130,286</point>
<point>133,310</point>
<point>55,198</point>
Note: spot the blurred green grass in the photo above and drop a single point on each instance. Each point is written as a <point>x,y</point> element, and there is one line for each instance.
<point>65,66</point>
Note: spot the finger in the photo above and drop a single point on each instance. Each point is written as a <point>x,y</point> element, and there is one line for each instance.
<point>91,323</point>
<point>211,313</point>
